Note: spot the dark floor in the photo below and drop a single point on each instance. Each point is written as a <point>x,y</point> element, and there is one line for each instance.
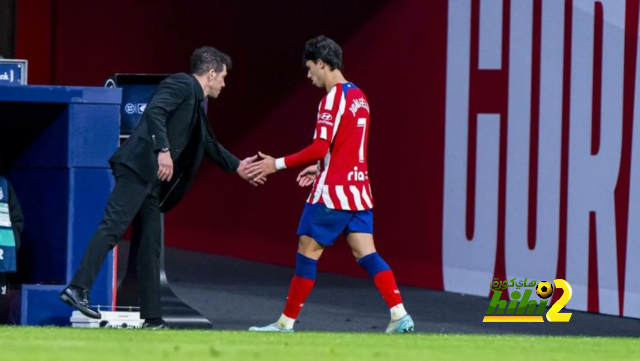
<point>236,294</point>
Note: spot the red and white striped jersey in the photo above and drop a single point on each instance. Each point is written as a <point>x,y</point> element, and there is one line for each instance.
<point>343,180</point>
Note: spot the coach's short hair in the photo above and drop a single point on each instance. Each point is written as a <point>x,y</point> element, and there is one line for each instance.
<point>206,58</point>
<point>325,49</point>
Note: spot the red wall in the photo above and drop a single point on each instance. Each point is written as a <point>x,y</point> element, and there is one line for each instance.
<point>269,105</point>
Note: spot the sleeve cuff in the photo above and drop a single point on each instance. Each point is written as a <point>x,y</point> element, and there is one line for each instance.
<point>280,164</point>
<point>235,164</point>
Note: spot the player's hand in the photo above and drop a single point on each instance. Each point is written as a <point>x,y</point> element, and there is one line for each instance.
<point>262,168</point>
<point>307,176</point>
<point>165,166</point>
<point>242,172</point>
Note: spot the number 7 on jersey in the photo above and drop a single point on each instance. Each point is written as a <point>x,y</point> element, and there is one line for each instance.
<point>362,123</point>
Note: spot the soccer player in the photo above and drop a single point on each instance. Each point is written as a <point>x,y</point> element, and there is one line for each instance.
<point>340,200</point>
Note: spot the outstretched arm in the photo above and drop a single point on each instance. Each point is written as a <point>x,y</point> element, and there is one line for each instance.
<point>268,165</point>
<point>220,156</point>
<point>329,112</point>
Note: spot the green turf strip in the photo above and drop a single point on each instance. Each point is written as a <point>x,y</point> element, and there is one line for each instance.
<point>32,343</point>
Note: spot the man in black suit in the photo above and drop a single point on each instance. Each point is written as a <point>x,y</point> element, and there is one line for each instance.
<point>153,169</point>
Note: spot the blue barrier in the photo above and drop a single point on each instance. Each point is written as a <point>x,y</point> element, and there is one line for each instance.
<point>61,139</point>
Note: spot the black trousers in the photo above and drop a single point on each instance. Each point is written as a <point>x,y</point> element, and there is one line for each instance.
<point>132,201</point>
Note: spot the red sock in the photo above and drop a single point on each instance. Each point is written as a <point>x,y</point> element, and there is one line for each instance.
<point>298,291</point>
<point>386,284</point>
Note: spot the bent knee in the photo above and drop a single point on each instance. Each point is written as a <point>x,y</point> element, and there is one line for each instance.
<point>308,247</point>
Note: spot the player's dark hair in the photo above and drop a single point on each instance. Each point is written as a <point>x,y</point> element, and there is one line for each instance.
<point>206,58</point>
<point>325,49</point>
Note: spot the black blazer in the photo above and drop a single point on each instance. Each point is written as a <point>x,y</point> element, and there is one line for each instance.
<point>174,119</point>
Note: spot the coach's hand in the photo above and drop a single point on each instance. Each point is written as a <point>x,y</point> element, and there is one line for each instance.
<point>262,168</point>
<point>165,166</point>
<point>308,176</point>
<point>242,172</point>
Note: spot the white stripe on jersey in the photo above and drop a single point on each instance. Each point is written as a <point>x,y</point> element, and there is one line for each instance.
<point>366,198</point>
<point>323,177</point>
<point>328,105</point>
<point>327,158</point>
<point>344,201</point>
<point>315,134</point>
<point>343,102</point>
<point>326,197</point>
<point>323,133</point>
<point>356,198</point>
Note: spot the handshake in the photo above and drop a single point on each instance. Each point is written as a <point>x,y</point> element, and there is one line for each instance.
<point>256,171</point>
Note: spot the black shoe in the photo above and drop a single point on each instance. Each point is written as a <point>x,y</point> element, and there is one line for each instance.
<point>156,326</point>
<point>79,299</point>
